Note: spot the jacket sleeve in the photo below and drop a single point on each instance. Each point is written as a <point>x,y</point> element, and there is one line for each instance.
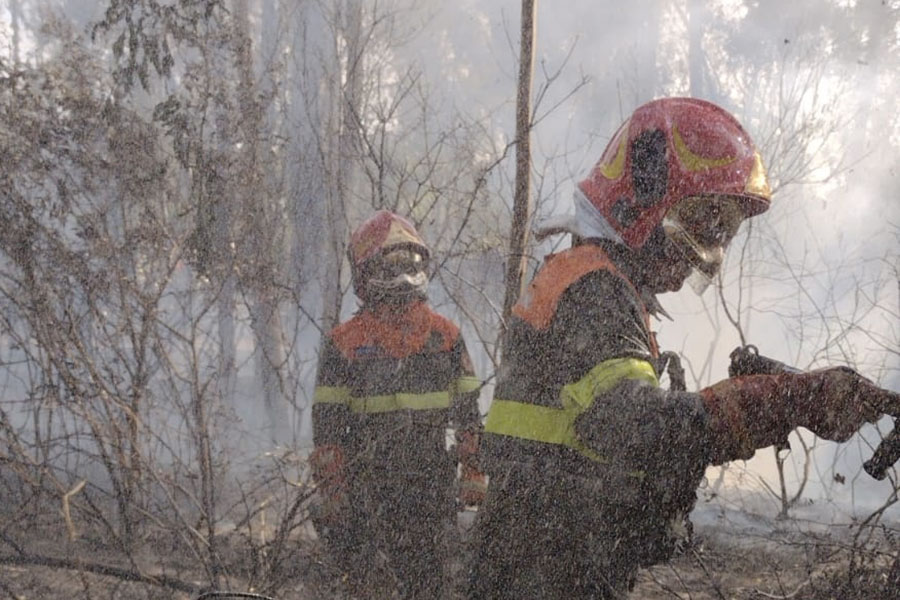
<point>628,419</point>
<point>331,412</point>
<point>658,429</point>
<point>600,324</point>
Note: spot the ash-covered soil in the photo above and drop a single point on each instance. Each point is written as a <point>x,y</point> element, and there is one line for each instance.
<point>740,558</point>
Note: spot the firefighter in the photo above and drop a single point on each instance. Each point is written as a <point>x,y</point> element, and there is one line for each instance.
<point>593,466</point>
<point>391,381</point>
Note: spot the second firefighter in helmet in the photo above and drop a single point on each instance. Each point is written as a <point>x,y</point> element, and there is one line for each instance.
<point>390,381</point>
<point>388,260</point>
<point>580,437</point>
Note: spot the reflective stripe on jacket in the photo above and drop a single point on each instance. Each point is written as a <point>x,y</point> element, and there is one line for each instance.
<point>392,363</point>
<point>580,330</point>
<point>557,425</point>
<point>389,402</point>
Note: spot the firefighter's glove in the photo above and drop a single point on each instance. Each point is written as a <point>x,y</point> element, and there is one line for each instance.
<point>754,411</point>
<point>834,403</point>
<point>472,487</point>
<point>467,443</point>
<point>472,481</point>
<point>328,472</point>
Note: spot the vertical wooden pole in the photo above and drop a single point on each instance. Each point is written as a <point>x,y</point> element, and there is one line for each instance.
<point>517,261</point>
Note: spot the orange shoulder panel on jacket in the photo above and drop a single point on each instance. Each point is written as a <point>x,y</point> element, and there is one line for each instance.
<point>538,305</point>
<point>397,333</point>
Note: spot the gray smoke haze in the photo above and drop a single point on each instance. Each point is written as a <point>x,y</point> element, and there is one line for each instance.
<point>826,255</point>
<point>815,85</point>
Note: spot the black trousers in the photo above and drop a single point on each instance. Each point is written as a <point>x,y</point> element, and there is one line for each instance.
<point>543,537</point>
<point>395,535</point>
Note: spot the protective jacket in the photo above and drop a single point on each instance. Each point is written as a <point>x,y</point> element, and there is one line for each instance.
<point>394,367</point>
<point>391,380</point>
<point>580,327</point>
<point>579,342</point>
<point>580,438</point>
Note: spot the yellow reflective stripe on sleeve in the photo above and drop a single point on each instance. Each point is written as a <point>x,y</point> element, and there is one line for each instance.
<point>391,402</point>
<point>557,425</point>
<point>529,422</point>
<point>605,377</point>
<point>466,384</point>
<point>538,424</point>
<point>326,394</point>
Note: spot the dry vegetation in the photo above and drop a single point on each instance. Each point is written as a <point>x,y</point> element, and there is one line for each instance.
<point>133,268</point>
<point>776,560</point>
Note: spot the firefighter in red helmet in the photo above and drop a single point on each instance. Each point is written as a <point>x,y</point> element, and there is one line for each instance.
<point>391,381</point>
<point>593,466</point>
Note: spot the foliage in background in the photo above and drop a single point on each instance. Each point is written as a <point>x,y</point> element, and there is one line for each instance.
<point>178,185</point>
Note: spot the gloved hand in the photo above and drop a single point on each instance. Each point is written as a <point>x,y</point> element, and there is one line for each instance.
<point>328,471</point>
<point>834,403</point>
<point>754,411</point>
<point>472,486</point>
<point>472,482</point>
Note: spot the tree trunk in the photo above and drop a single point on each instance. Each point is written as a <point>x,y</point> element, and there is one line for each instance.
<point>227,342</point>
<point>262,214</point>
<point>345,79</point>
<point>648,42</point>
<point>517,261</point>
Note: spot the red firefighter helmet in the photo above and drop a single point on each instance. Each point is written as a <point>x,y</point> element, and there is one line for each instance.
<point>388,258</point>
<point>670,150</point>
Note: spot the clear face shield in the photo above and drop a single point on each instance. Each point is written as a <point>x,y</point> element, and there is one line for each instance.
<point>701,227</point>
<point>398,271</point>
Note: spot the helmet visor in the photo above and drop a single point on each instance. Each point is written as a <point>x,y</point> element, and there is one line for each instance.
<point>400,270</point>
<point>397,261</point>
<point>701,227</point>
